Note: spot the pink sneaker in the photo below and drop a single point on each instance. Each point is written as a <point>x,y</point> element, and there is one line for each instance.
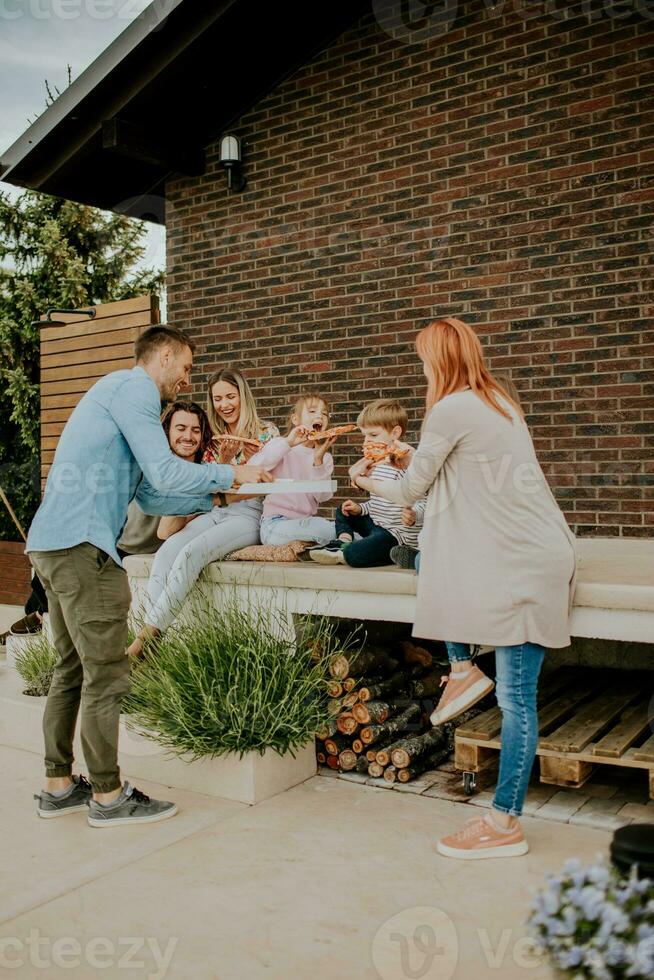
<point>460,693</point>
<point>480,838</point>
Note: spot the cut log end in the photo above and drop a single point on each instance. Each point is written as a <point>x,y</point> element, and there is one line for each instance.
<point>400,758</point>
<point>372,712</point>
<point>339,667</point>
<point>336,744</point>
<point>327,731</point>
<point>347,723</point>
<point>348,760</point>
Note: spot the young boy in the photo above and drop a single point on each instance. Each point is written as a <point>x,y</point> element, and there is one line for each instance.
<point>380,524</point>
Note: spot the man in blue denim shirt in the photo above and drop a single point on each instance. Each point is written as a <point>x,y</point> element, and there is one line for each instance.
<point>113,449</point>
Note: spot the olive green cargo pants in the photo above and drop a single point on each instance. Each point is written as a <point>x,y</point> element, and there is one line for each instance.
<point>88,600</point>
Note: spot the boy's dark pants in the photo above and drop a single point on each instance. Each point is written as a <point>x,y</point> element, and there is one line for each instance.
<point>375,545</point>
<point>89,598</point>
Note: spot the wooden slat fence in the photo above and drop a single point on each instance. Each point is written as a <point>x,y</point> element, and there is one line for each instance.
<point>78,352</point>
<point>74,354</point>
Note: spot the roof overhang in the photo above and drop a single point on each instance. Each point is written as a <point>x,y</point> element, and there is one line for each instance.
<point>181,74</point>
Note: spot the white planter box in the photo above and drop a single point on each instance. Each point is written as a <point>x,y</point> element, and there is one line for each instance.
<point>248,780</point>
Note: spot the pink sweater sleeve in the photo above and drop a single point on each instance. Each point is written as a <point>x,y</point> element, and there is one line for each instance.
<point>323,472</point>
<point>271,455</point>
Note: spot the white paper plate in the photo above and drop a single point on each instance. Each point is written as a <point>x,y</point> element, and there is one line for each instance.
<point>288,486</point>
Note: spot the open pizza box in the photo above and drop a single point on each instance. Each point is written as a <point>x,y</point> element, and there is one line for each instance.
<point>288,486</point>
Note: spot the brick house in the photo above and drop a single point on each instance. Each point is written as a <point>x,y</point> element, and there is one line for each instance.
<point>495,164</point>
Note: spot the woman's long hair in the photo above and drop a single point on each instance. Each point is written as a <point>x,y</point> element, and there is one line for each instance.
<point>193,409</point>
<point>453,358</point>
<point>249,424</point>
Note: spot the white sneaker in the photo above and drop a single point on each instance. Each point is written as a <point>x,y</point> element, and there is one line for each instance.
<point>328,555</point>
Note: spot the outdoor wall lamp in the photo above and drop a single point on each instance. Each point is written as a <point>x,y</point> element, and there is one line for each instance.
<point>230,157</point>
<point>49,322</point>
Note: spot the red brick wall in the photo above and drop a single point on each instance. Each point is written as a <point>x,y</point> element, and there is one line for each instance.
<point>502,173</point>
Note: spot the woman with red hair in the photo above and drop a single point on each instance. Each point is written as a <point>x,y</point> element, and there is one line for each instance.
<point>497,561</point>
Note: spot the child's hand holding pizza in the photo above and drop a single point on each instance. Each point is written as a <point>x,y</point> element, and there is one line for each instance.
<point>401,454</point>
<point>298,436</point>
<point>322,448</point>
<point>351,508</point>
<point>360,468</point>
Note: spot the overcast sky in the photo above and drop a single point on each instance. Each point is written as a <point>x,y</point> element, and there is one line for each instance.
<point>38,39</point>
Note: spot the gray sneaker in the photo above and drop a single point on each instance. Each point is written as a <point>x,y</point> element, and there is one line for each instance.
<point>131,807</point>
<point>77,799</point>
<point>404,556</point>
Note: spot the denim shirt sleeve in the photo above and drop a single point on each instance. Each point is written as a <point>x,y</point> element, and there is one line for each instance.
<point>166,504</point>
<point>135,410</point>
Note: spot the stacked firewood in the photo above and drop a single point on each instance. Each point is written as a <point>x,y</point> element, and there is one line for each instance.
<point>380,701</point>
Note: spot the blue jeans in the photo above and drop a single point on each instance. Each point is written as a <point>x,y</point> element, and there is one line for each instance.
<point>517,669</point>
<point>278,530</point>
<point>373,547</point>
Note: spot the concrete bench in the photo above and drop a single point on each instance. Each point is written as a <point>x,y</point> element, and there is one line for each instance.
<point>614,598</point>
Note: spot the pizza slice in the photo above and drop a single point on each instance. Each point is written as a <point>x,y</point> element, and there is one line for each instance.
<point>337,430</point>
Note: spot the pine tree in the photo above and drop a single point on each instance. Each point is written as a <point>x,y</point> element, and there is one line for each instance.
<point>53,253</point>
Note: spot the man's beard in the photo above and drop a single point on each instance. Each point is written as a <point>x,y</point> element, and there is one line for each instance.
<point>188,456</point>
<point>169,393</point>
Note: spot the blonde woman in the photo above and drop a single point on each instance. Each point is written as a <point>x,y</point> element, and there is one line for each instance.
<point>497,562</point>
<point>233,412</point>
<point>191,543</point>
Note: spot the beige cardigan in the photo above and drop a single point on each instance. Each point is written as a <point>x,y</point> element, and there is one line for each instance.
<point>497,562</point>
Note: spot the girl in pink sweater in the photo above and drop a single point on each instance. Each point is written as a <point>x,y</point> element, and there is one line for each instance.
<point>292,516</point>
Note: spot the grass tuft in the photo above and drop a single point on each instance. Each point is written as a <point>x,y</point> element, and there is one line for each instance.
<point>36,664</point>
<point>233,681</point>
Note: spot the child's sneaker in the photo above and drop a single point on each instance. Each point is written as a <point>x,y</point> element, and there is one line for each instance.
<point>462,690</point>
<point>404,556</point>
<point>76,799</point>
<point>481,838</point>
<point>330,554</point>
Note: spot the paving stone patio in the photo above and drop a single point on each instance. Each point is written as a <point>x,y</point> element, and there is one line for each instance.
<point>612,798</point>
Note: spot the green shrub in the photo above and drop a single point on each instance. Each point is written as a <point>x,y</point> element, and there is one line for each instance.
<point>226,681</point>
<point>36,664</point>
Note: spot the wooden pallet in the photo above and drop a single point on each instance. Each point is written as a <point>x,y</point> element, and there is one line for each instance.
<point>585,718</point>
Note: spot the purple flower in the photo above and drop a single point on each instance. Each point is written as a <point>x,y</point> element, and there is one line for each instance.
<point>596,924</point>
<point>592,901</point>
<point>570,958</point>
